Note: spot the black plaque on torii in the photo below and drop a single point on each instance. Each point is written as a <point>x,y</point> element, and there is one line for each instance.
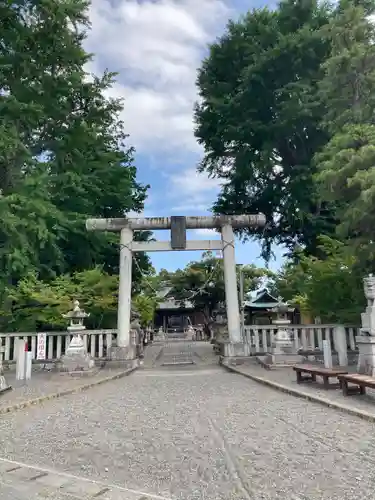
<point>178,232</point>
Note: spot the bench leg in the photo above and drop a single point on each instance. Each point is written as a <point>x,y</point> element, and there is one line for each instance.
<point>326,382</point>
<point>344,385</point>
<point>362,389</point>
<point>299,377</point>
<point>313,377</point>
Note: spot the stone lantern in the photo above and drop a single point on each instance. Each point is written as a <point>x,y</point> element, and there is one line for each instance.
<point>136,333</point>
<point>220,324</point>
<point>76,317</point>
<point>368,317</point>
<point>76,358</point>
<point>283,351</point>
<point>366,339</point>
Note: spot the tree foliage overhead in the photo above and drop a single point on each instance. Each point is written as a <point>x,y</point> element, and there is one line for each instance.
<point>348,80</point>
<point>346,172</point>
<point>286,118</point>
<point>64,153</point>
<point>259,118</point>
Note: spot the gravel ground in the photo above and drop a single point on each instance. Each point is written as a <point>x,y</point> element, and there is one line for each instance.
<point>44,382</point>
<point>286,376</point>
<point>198,435</point>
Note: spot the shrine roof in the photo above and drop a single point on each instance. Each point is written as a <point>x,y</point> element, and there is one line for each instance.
<point>170,303</point>
<point>260,305</point>
<point>174,305</point>
<point>262,300</point>
<point>164,292</point>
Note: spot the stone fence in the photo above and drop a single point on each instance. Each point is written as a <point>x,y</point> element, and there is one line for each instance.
<point>306,338</point>
<point>96,341</point>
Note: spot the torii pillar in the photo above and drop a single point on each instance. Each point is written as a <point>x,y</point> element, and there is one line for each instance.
<point>178,226</point>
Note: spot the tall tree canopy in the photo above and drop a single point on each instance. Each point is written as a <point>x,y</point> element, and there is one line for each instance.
<point>286,118</point>
<point>346,172</point>
<point>64,153</point>
<point>64,147</point>
<point>259,118</point>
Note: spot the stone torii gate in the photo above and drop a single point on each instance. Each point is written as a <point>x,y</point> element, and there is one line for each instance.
<point>178,226</point>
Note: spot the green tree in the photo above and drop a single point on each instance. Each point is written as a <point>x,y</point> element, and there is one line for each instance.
<point>39,305</point>
<point>153,283</point>
<point>145,305</point>
<point>259,120</point>
<point>346,172</point>
<point>64,154</point>
<point>329,287</point>
<point>348,79</point>
<point>202,282</point>
<point>347,177</point>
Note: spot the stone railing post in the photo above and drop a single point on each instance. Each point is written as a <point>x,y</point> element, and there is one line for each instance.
<point>3,383</point>
<point>366,338</point>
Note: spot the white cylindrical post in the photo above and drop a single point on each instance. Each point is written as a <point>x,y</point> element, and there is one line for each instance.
<point>21,360</point>
<point>242,298</point>
<point>340,343</point>
<point>29,365</point>
<point>125,287</point>
<point>327,353</point>
<point>230,278</point>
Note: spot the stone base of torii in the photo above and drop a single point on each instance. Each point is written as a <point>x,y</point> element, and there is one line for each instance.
<point>125,350</point>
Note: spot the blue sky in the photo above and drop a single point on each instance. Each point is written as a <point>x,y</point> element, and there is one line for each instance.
<point>157,46</point>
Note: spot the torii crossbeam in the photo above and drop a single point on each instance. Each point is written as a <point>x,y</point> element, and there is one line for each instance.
<point>178,226</point>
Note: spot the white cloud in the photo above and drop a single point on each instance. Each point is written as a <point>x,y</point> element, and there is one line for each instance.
<point>193,182</point>
<point>156,46</point>
<point>192,191</point>
<point>207,233</point>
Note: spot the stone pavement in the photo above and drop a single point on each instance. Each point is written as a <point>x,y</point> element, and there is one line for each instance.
<point>18,479</point>
<point>162,353</point>
<point>185,434</point>
<point>287,377</point>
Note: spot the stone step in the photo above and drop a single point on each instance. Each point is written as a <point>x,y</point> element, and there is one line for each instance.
<point>177,363</point>
<point>177,356</point>
<point>22,482</point>
<point>176,335</point>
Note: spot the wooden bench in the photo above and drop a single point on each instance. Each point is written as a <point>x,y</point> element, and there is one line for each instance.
<point>360,383</point>
<point>314,371</point>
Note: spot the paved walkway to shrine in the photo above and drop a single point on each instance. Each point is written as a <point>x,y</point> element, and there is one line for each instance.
<point>184,434</point>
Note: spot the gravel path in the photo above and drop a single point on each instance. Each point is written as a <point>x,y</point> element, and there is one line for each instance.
<point>287,377</point>
<point>198,435</point>
<point>44,382</point>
